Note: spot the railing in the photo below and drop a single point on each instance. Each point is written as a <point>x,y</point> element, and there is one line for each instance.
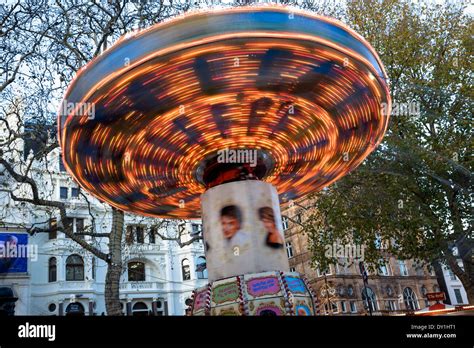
<point>141,286</point>
<point>66,286</point>
<point>80,286</point>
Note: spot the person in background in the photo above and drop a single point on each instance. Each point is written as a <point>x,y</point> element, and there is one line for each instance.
<point>6,247</point>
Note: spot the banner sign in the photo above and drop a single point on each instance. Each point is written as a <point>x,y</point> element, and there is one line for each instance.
<point>436,296</point>
<point>14,252</point>
<point>263,286</point>
<point>225,292</point>
<point>295,285</point>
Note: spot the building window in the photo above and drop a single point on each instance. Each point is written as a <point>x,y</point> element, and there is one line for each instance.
<point>75,192</point>
<point>409,297</point>
<point>196,229</point>
<point>330,309</point>
<point>140,235</point>
<point>284,221</point>
<point>289,250</point>
<point>378,241</point>
<point>52,270</point>
<point>292,269</point>
<point>344,266</point>
<point>93,266</point>
<point>343,307</point>
<point>389,290</point>
<point>391,305</point>
<point>201,268</point>
<point>384,269</point>
<point>298,218</point>
<point>53,229</point>
<point>62,168</point>
<point>136,272</point>
<point>63,192</point>
<point>74,308</point>
<point>135,234</point>
<point>140,309</point>
<point>74,268</point>
<point>186,269</point>
<point>457,293</point>
<point>51,307</point>
<point>69,222</point>
<point>151,236</point>
<point>350,290</point>
<point>369,298</point>
<point>353,306</point>
<point>79,226</point>
<point>403,268</point>
<point>452,276</point>
<point>419,269</point>
<point>129,235</point>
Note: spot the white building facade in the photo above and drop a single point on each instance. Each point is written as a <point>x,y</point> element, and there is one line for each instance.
<point>63,278</point>
<point>455,291</point>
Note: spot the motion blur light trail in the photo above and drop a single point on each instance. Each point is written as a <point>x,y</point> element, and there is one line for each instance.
<point>306,90</point>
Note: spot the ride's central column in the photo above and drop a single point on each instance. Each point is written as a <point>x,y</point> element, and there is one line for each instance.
<point>242,229</point>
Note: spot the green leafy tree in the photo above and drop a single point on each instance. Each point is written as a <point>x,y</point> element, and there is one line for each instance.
<point>415,191</point>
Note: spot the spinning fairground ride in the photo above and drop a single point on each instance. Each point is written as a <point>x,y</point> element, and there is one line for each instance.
<point>223,115</point>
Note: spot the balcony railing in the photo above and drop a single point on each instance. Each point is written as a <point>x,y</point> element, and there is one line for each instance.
<point>67,286</point>
<point>141,286</point>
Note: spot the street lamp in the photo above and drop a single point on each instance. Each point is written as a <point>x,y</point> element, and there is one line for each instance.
<point>327,293</point>
<point>365,278</point>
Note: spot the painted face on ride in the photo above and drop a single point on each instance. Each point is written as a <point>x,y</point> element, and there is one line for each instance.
<point>269,225</point>
<point>231,219</point>
<point>230,226</point>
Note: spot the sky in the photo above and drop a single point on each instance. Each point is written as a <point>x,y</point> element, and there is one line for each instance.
<point>469,3</point>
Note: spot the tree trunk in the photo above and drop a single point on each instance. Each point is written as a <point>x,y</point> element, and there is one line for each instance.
<point>464,275</point>
<point>466,250</point>
<point>470,293</point>
<point>114,265</point>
